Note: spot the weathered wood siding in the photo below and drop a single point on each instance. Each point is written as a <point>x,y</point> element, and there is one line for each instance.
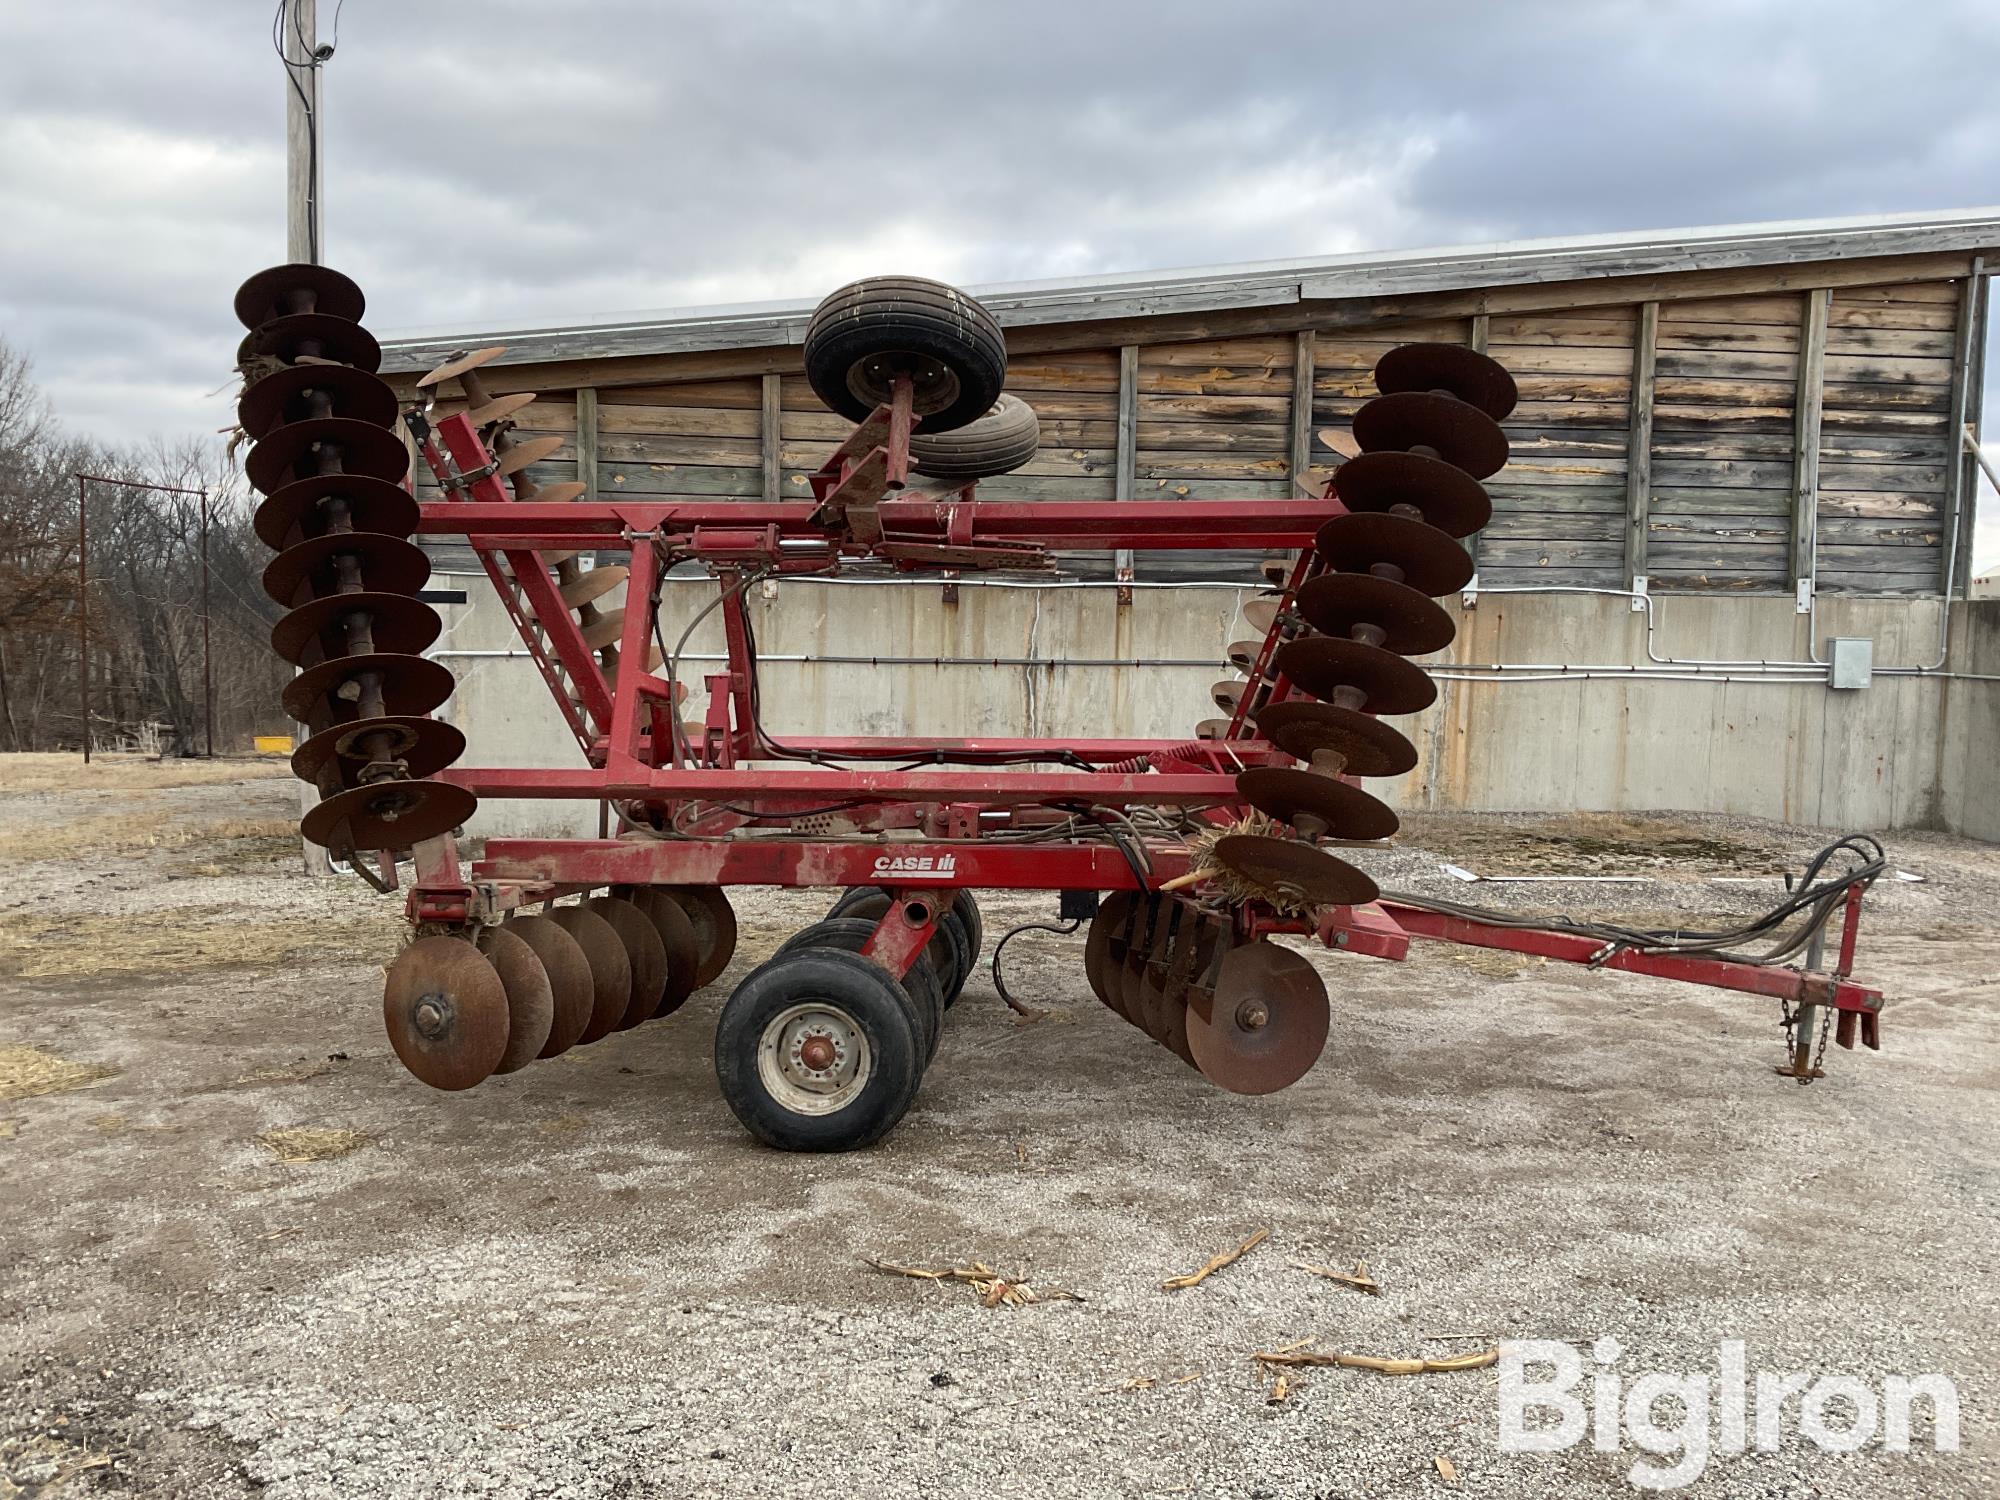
<point>1559,505</point>
<point>1215,419</point>
<point>1681,458</point>
<point>1725,392</point>
<point>1886,448</point>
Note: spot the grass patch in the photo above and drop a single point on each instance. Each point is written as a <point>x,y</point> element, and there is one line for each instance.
<point>1585,844</point>
<point>53,772</point>
<point>37,947</point>
<point>29,1072</point>
<point>141,829</point>
<point>304,1143</point>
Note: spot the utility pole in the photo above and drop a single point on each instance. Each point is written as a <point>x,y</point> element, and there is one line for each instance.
<point>305,167</point>
<point>305,232</point>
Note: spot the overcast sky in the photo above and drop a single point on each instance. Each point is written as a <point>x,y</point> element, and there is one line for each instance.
<point>510,161</point>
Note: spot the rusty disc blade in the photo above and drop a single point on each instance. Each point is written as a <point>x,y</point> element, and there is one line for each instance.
<point>326,694</point>
<point>1125,929</point>
<point>1466,374</point>
<point>604,630</point>
<point>315,631</point>
<point>1322,664</point>
<point>1227,693</point>
<point>570,991</point>
<point>1461,435</point>
<point>1212,729</point>
<point>446,1012</point>
<point>595,584</point>
<point>387,565</point>
<point>714,921</point>
<point>500,408</point>
<point>531,1005</point>
<point>610,968</point>
<point>676,936</point>
<point>280,291</point>
<point>1148,983</point>
<point>289,395</point>
<point>1295,873</point>
<point>1104,925</point>
<point>1290,795</point>
<point>552,494</point>
<point>1431,562</point>
<point>386,815</point>
<point>1261,613</point>
<point>460,365</point>
<point>1193,956</point>
<point>1304,726</point>
<point>1445,496</point>
<point>648,956</point>
<point>299,449</point>
<point>1243,655</point>
<point>1265,1025</point>
<point>1413,624</point>
<point>315,335</point>
<point>1128,977</point>
<point>424,746</point>
<point>520,455</point>
<point>303,507</point>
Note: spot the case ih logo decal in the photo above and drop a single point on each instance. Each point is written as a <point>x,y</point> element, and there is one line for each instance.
<point>917,866</point>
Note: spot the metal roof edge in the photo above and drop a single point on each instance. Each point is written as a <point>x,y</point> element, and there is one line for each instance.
<point>1265,283</point>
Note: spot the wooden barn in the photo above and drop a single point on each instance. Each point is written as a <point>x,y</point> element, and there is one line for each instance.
<point>1737,409</point>
<point>1735,447</point>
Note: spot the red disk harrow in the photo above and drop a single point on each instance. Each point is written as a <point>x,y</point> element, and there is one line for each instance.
<point>1208,847</point>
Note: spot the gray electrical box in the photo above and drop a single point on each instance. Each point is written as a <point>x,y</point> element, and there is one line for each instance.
<point>1853,659</point>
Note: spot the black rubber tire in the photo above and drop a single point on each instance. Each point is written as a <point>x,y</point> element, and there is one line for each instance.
<point>967,908</point>
<point>925,986</point>
<point>843,904</point>
<point>871,999</point>
<point>997,443</point>
<point>951,927</point>
<point>955,953</point>
<point>885,315</point>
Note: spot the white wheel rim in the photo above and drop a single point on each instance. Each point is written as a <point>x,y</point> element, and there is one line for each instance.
<point>793,1045</point>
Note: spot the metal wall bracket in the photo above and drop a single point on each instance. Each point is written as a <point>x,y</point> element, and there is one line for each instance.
<point>1802,602</point>
<point>1468,597</point>
<point>1638,593</point>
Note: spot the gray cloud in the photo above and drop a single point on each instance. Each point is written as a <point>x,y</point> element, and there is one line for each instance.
<point>517,161</point>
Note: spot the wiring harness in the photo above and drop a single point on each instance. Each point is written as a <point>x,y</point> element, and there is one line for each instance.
<point>1815,896</point>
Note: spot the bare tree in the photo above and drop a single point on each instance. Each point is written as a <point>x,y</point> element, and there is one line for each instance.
<point>145,589</point>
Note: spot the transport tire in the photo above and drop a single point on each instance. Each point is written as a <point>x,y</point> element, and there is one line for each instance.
<point>817,1050</point>
<point>997,443</point>
<point>951,927</point>
<point>947,949</point>
<point>869,331</point>
<point>975,929</point>
<point>922,981</point>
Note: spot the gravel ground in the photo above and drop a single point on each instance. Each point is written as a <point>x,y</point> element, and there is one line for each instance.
<point>584,1280</point>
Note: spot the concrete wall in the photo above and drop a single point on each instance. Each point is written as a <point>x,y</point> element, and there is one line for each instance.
<point>1904,752</point>
<point>1969,741</point>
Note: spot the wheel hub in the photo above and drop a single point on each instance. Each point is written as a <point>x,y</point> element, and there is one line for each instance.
<point>814,1058</point>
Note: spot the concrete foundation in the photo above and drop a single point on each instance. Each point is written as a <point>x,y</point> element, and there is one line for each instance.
<point>1905,751</point>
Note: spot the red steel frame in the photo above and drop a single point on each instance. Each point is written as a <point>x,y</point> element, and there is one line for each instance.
<point>624,727</point>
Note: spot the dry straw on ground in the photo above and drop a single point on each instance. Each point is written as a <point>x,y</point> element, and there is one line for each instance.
<point>36,947</point>
<point>991,1288</point>
<point>52,772</point>
<point>304,1143</point>
<point>138,828</point>
<point>27,1072</point>
<point>1215,1263</point>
